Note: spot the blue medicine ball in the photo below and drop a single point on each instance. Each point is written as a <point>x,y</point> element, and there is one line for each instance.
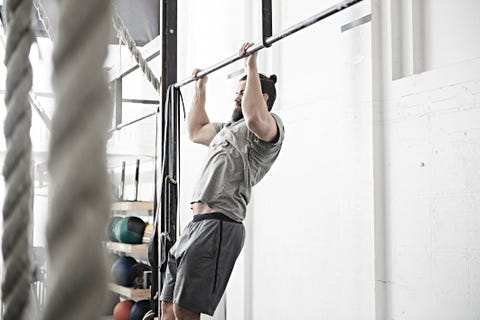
<point>122,272</point>
<point>129,230</point>
<point>111,228</point>
<point>139,309</point>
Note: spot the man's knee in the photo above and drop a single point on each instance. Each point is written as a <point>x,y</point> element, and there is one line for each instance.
<point>167,311</point>
<point>184,314</point>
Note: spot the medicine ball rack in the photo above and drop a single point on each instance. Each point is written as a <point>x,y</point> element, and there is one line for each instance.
<point>134,294</point>
<point>120,208</point>
<point>132,206</point>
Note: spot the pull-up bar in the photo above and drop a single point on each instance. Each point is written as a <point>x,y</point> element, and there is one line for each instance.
<point>268,41</point>
<point>271,40</point>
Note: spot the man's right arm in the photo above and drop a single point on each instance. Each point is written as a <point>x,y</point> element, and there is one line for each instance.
<point>200,130</point>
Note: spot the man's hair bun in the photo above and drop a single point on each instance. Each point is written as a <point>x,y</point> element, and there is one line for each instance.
<point>273,77</point>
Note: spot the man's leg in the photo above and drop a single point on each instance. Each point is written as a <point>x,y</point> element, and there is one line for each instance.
<point>184,314</point>
<point>167,311</point>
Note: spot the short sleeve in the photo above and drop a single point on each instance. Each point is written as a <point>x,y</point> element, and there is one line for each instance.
<point>262,154</point>
<point>270,145</point>
<point>218,126</point>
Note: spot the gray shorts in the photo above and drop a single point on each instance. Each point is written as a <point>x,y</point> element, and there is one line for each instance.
<point>201,262</point>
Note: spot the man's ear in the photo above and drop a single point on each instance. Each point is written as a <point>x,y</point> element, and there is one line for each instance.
<point>265,97</point>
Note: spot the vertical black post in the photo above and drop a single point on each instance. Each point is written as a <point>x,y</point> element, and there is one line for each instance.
<point>168,199</point>
<point>118,101</point>
<point>266,20</point>
<point>137,176</point>
<point>121,194</point>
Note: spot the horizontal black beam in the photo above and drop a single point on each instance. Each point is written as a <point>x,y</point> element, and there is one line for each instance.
<point>271,40</point>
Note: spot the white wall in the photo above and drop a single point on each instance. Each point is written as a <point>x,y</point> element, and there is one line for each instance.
<point>309,249</point>
<point>215,29</point>
<point>371,210</point>
<point>427,167</point>
<point>313,215</point>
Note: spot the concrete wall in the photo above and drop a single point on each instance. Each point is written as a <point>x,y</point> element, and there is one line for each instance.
<point>312,218</point>
<point>309,252</point>
<point>427,151</point>
<point>371,210</point>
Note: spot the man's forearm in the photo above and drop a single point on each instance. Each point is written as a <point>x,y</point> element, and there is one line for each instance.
<point>254,107</point>
<point>197,116</point>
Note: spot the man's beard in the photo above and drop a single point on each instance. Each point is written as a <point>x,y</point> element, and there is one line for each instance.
<point>237,113</point>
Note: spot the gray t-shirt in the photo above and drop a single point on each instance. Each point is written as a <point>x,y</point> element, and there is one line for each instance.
<point>237,160</point>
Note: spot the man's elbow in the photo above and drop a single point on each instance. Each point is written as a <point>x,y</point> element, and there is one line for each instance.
<point>193,136</point>
<point>199,138</point>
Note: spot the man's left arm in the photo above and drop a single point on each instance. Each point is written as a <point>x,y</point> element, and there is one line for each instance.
<point>254,106</point>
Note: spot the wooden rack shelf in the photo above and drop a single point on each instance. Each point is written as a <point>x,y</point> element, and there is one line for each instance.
<point>126,248</point>
<point>132,206</point>
<point>129,292</point>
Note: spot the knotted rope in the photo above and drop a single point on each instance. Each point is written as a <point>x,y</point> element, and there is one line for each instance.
<point>127,39</point>
<point>77,162</point>
<point>34,103</point>
<point>122,33</point>
<point>16,170</point>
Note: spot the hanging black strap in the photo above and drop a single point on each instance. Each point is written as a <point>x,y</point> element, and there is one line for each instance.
<point>153,246</point>
<point>166,209</point>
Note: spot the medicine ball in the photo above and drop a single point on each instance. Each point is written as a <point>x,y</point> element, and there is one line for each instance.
<point>122,272</point>
<point>129,230</point>
<point>138,269</point>
<point>111,258</point>
<point>139,309</point>
<point>111,227</point>
<point>122,310</point>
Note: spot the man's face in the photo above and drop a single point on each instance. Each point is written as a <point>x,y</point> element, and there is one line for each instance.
<point>237,112</point>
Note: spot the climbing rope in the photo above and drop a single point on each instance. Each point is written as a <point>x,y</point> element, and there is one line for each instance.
<point>34,103</point>
<point>122,33</point>
<point>127,39</point>
<point>80,199</point>
<point>17,165</point>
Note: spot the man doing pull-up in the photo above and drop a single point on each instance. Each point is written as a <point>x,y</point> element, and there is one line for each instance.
<point>240,153</point>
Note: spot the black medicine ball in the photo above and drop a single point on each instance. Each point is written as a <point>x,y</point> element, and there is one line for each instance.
<point>122,272</point>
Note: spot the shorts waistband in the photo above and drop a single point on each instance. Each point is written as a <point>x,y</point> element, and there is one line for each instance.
<point>213,215</point>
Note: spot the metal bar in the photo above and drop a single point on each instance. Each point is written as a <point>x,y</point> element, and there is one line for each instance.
<point>122,182</point>
<point>313,19</point>
<point>36,105</point>
<point>149,52</point>
<point>141,101</point>
<point>266,20</point>
<point>169,46</point>
<point>271,40</point>
<point>137,174</point>
<point>121,126</point>
<point>168,198</point>
<point>356,23</point>
<point>118,101</point>
<point>51,96</point>
<point>45,94</point>
<point>219,65</point>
